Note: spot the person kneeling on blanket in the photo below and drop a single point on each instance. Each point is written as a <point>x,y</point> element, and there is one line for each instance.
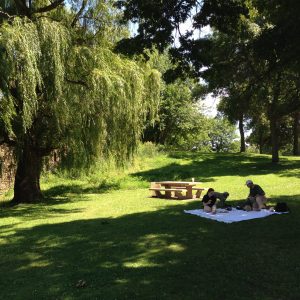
<point>256,199</point>
<point>209,200</point>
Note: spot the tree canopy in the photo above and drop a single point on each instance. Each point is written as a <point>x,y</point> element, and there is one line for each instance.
<point>61,87</point>
<point>250,58</point>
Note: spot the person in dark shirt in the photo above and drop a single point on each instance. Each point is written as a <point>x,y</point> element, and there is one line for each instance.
<point>210,200</point>
<point>257,197</point>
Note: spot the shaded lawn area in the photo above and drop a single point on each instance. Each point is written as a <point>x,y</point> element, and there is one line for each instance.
<point>128,246</point>
<point>210,167</point>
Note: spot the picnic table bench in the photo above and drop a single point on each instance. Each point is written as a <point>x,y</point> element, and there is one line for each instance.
<point>175,189</point>
<point>199,191</point>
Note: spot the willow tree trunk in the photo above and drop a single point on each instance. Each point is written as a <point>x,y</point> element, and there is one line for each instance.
<point>27,180</point>
<point>242,134</point>
<point>296,131</point>
<point>274,138</point>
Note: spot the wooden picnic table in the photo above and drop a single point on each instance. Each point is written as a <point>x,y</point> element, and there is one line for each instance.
<point>178,187</point>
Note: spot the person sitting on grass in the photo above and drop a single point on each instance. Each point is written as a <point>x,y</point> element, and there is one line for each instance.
<point>210,198</point>
<point>256,199</point>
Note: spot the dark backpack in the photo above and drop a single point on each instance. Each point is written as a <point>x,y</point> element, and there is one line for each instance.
<point>281,207</point>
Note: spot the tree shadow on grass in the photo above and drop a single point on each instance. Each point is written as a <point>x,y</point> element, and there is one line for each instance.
<point>173,171</point>
<point>63,193</point>
<point>205,167</point>
<point>62,190</point>
<point>37,211</point>
<point>163,254</point>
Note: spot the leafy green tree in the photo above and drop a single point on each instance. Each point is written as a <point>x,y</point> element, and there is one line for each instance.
<point>157,20</point>
<point>260,132</point>
<point>61,87</point>
<point>254,56</point>
<point>261,137</point>
<point>232,72</point>
<point>180,122</point>
<point>235,113</point>
<point>222,134</point>
<point>279,40</point>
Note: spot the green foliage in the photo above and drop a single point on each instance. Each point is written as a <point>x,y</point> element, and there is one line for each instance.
<point>252,86</point>
<point>222,135</point>
<point>121,95</point>
<point>180,119</point>
<point>147,150</point>
<point>20,51</point>
<point>260,135</point>
<point>49,84</point>
<point>180,122</point>
<point>251,59</point>
<point>62,88</point>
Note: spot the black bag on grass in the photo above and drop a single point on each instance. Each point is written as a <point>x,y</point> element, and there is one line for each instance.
<point>281,207</point>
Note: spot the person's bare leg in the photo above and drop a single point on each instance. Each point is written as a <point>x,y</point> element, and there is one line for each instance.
<point>261,201</point>
<point>255,207</point>
<point>207,208</point>
<point>214,209</point>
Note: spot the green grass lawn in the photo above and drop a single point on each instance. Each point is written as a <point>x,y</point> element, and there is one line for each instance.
<point>125,245</point>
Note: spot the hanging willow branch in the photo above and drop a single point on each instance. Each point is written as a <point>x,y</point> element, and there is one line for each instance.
<point>102,113</point>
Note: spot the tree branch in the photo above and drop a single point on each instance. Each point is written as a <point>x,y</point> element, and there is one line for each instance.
<point>80,82</point>
<point>22,7</point>
<point>83,5</point>
<point>52,6</point>
<point>5,14</point>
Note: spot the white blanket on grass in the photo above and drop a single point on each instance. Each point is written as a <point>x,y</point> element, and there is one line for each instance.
<point>232,216</point>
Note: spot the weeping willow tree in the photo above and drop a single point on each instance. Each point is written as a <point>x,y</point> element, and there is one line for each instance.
<point>61,87</point>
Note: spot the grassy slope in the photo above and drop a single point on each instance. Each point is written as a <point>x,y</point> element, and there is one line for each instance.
<point>128,246</point>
